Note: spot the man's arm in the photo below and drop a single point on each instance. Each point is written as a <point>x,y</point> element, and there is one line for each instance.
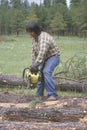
<point>44,47</point>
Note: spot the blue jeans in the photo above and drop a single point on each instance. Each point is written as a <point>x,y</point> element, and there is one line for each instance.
<point>47,79</point>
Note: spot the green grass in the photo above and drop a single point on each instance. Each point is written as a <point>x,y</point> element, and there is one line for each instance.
<point>32,92</point>
<point>69,46</point>
<point>15,52</point>
<point>15,55</point>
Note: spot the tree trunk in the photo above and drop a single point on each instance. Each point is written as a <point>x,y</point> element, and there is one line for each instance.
<point>62,84</point>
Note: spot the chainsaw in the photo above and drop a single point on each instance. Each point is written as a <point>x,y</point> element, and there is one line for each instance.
<point>31,78</point>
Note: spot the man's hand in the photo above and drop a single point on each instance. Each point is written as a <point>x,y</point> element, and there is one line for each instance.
<point>33,69</point>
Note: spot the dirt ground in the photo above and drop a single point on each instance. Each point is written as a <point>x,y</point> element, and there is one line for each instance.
<point>18,113</point>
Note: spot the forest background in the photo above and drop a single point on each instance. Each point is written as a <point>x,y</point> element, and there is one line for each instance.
<point>53,15</point>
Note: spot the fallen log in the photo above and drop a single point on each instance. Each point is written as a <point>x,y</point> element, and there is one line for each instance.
<point>62,84</point>
<point>13,80</point>
<point>50,114</point>
<point>73,85</point>
<point>42,126</point>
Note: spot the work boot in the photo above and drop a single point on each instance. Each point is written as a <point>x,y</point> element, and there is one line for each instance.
<point>52,98</point>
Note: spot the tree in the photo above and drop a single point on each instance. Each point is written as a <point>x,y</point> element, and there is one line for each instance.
<point>84,16</point>
<point>60,1</point>
<point>52,14</point>
<point>75,2</point>
<point>47,3</point>
<point>3,16</point>
<point>15,3</point>
<point>78,13</point>
<point>18,15</point>
<point>32,16</point>
<point>18,23</point>
<point>57,23</point>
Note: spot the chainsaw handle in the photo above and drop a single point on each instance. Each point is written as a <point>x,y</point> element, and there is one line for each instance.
<point>24,71</point>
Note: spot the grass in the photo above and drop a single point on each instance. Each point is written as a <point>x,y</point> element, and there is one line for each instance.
<point>15,55</point>
<point>15,52</point>
<point>32,92</point>
<point>69,46</point>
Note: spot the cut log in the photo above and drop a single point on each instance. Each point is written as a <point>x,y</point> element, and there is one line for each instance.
<point>73,85</point>
<point>6,125</point>
<point>62,84</point>
<point>13,80</point>
<point>54,115</point>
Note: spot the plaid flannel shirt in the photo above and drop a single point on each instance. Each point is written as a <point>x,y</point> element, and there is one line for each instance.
<point>43,47</point>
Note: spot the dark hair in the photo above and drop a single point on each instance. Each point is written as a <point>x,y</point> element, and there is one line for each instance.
<point>33,27</point>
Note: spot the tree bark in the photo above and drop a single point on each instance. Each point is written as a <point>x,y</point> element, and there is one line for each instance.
<point>74,85</point>
<point>13,80</point>
<point>50,114</point>
<point>62,84</point>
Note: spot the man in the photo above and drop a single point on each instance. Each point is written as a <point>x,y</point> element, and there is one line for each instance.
<point>46,55</point>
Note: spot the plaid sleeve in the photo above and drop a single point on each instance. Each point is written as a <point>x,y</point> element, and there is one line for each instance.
<point>33,57</point>
<point>33,54</point>
<point>43,51</point>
